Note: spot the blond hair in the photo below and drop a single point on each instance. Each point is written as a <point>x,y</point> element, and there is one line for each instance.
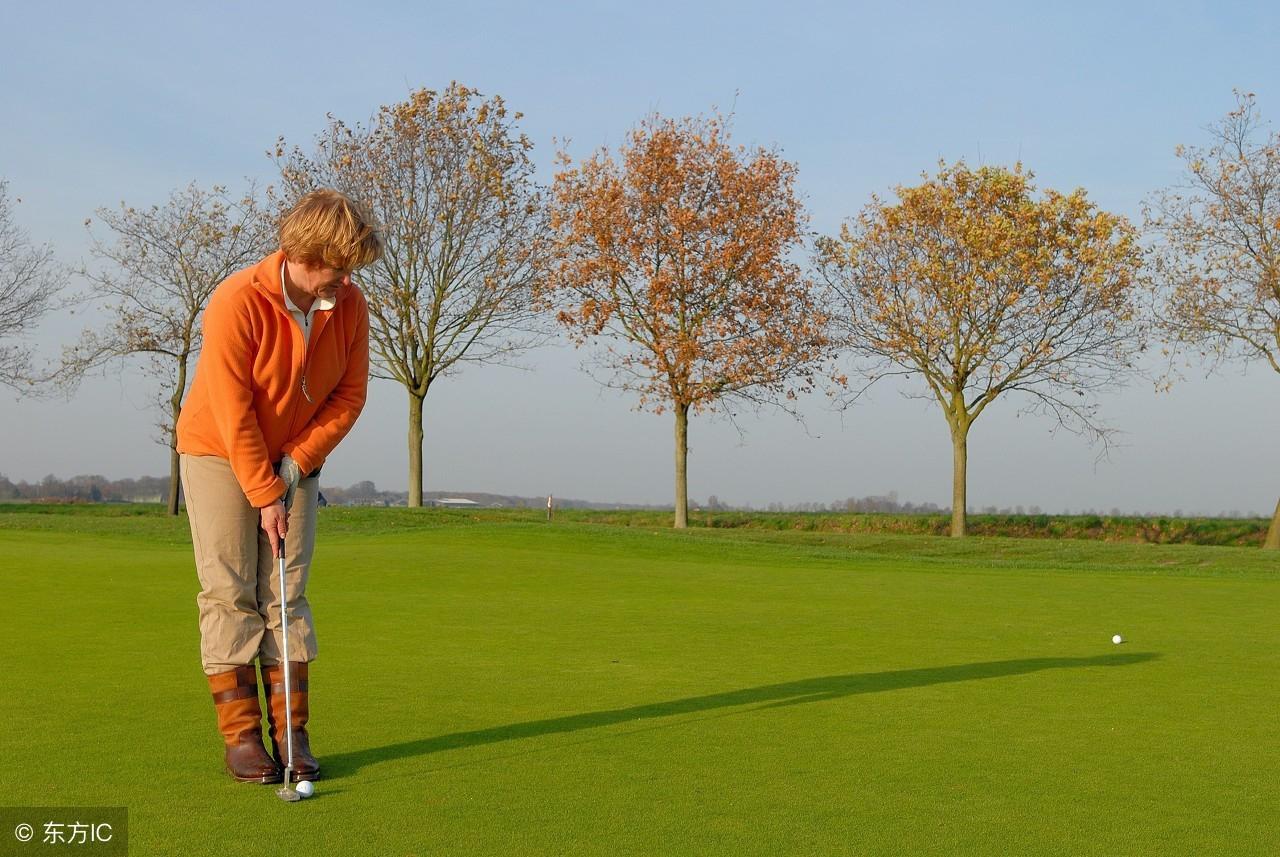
<point>329,228</point>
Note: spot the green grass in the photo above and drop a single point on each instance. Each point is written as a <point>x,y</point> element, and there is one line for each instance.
<point>491,685</point>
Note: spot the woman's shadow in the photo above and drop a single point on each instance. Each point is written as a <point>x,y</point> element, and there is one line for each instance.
<point>775,695</point>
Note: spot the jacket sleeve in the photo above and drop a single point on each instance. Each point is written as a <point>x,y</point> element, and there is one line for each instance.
<point>338,414</point>
<point>227,358</point>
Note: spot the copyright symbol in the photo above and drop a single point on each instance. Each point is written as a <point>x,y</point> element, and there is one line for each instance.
<point>24,832</point>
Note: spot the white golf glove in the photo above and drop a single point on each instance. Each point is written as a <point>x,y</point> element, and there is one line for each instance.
<point>292,475</point>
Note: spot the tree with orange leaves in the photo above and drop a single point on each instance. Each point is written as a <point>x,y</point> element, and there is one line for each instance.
<point>678,249</point>
<point>980,289</point>
<point>1217,249</point>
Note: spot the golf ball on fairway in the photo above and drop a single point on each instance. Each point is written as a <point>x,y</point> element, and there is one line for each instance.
<point>1117,639</point>
<point>306,789</point>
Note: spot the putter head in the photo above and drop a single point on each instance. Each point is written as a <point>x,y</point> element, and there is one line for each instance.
<point>285,792</point>
<point>288,795</point>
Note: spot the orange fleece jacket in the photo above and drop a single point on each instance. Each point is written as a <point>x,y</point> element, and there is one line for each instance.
<point>249,403</point>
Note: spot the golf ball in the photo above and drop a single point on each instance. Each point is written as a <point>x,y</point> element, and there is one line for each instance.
<point>306,789</point>
<point>1117,639</point>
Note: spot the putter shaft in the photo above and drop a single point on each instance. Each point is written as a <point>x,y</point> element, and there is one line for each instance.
<point>285,792</point>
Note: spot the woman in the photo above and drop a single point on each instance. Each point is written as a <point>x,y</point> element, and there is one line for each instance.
<point>281,379</point>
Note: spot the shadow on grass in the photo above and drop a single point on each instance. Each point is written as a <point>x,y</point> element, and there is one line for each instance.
<point>774,695</point>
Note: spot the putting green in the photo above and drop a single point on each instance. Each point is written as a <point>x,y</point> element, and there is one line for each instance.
<point>496,685</point>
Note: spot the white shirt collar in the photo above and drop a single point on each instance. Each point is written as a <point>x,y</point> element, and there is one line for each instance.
<point>318,303</point>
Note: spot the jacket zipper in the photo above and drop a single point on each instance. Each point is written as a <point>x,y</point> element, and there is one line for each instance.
<point>306,360</point>
<point>316,329</point>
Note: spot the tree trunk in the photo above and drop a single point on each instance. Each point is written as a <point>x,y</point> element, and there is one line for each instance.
<point>415,448</point>
<point>1273,534</point>
<point>175,410</point>
<point>682,466</point>
<point>174,482</point>
<point>959,477</point>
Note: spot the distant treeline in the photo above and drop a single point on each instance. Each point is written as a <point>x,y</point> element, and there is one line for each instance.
<point>99,489</point>
<point>151,489</point>
<point>87,489</point>
<point>875,503</point>
<point>366,493</point>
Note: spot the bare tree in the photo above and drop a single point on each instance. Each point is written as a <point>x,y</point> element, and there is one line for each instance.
<point>28,285</point>
<point>450,182</point>
<point>980,290</point>
<point>1217,248</point>
<point>157,274</point>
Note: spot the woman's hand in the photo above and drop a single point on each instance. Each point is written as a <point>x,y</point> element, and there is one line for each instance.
<point>275,523</point>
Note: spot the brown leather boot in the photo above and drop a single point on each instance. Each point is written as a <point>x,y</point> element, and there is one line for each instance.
<point>305,766</point>
<point>235,697</point>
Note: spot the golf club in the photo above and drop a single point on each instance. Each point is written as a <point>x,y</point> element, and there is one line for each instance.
<point>285,792</point>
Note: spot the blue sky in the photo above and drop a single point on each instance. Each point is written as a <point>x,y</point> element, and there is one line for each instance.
<point>127,101</point>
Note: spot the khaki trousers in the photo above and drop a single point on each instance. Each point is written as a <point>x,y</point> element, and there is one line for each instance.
<point>239,600</point>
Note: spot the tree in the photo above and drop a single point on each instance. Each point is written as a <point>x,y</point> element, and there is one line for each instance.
<point>979,289</point>
<point>1217,248</point>
<point>678,250</point>
<point>157,274</point>
<point>28,285</point>
<point>450,182</point>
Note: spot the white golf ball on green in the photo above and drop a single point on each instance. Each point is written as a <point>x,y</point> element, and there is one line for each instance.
<point>1117,639</point>
<point>306,789</point>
